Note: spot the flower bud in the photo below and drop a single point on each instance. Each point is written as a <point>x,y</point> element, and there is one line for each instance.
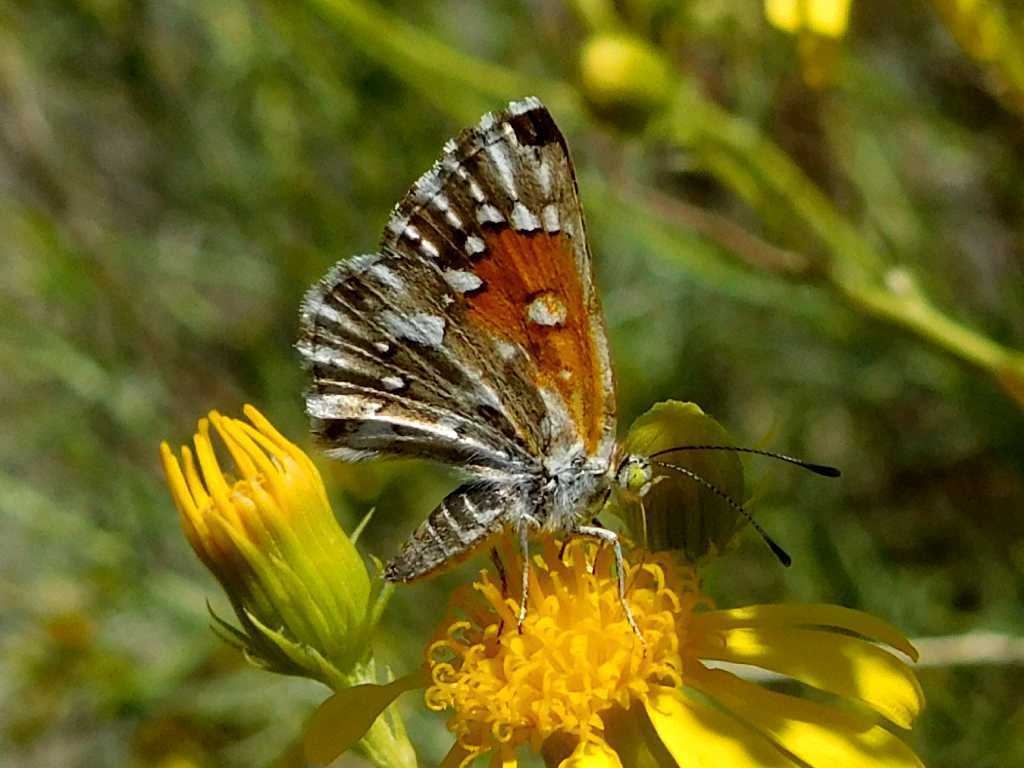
<point>297,584</point>
<point>624,79</point>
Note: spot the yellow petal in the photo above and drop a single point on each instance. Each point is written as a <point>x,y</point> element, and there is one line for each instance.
<point>342,720</point>
<point>808,615</point>
<point>700,736</point>
<point>592,754</point>
<point>829,17</point>
<point>176,482</point>
<point>843,665</point>
<point>787,15</point>
<point>816,734</point>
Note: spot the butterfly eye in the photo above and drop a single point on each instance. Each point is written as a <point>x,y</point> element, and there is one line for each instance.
<point>635,474</point>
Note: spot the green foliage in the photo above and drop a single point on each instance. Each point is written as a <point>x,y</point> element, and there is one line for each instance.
<point>830,270</point>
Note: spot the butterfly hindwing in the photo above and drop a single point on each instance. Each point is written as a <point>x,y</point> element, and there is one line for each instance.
<point>467,518</point>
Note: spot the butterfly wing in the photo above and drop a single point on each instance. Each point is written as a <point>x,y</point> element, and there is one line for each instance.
<point>468,517</point>
<point>474,336</point>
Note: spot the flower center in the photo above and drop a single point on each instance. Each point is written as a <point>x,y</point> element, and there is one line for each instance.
<point>576,657</point>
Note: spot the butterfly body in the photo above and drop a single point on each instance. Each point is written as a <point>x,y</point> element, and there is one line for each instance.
<point>474,337</point>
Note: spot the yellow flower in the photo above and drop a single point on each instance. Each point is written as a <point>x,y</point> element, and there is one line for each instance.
<point>578,686</point>
<point>820,26</point>
<point>297,584</point>
<point>827,18</point>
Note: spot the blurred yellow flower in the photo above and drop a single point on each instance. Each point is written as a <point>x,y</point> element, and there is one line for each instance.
<point>828,18</point>
<point>624,79</point>
<point>298,586</point>
<point>578,686</point>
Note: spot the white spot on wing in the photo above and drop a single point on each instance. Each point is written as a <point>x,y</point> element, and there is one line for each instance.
<point>429,249</point>
<point>547,309</point>
<point>474,189</point>
<point>362,261</point>
<point>551,218</point>
<point>386,277</point>
<point>523,106</point>
<point>475,245</point>
<point>523,219</point>
<point>488,214</point>
<point>418,327</point>
<point>506,349</point>
<point>326,312</point>
<point>428,185</point>
<point>462,281</point>
<point>498,153</point>
<point>341,406</point>
<point>392,383</point>
<point>441,203</point>
<point>544,176</point>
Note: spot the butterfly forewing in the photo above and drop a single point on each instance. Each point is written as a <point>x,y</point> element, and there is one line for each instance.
<point>474,336</point>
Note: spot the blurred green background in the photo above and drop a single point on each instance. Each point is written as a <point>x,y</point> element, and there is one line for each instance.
<point>814,232</point>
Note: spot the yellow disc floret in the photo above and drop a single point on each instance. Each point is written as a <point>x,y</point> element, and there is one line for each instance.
<point>576,658</point>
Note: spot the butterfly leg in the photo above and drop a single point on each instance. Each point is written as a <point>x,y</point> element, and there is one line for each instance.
<point>499,568</point>
<point>523,529</point>
<point>604,536</point>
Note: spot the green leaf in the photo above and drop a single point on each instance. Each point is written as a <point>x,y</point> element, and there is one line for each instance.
<point>342,720</point>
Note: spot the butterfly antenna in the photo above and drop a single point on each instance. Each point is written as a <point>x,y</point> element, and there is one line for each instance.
<point>819,469</point>
<point>778,551</point>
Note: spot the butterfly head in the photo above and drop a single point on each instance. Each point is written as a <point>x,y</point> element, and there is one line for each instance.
<point>634,476</point>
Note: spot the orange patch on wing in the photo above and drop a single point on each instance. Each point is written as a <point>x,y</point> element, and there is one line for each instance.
<point>533,296</point>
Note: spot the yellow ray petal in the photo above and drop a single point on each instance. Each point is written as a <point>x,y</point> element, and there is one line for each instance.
<point>592,754</point>
<point>195,483</point>
<point>242,461</point>
<point>808,615</point>
<point>816,734</point>
<point>176,482</point>
<point>342,720</point>
<point>843,665</point>
<point>700,736</point>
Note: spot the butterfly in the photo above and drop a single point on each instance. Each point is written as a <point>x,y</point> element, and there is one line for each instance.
<point>474,337</point>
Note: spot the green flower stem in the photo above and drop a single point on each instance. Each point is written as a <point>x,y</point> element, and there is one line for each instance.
<point>456,82</point>
<point>760,172</point>
<point>986,31</point>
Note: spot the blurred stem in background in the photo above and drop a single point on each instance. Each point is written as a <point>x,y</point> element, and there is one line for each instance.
<point>620,70</point>
<point>989,34</point>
